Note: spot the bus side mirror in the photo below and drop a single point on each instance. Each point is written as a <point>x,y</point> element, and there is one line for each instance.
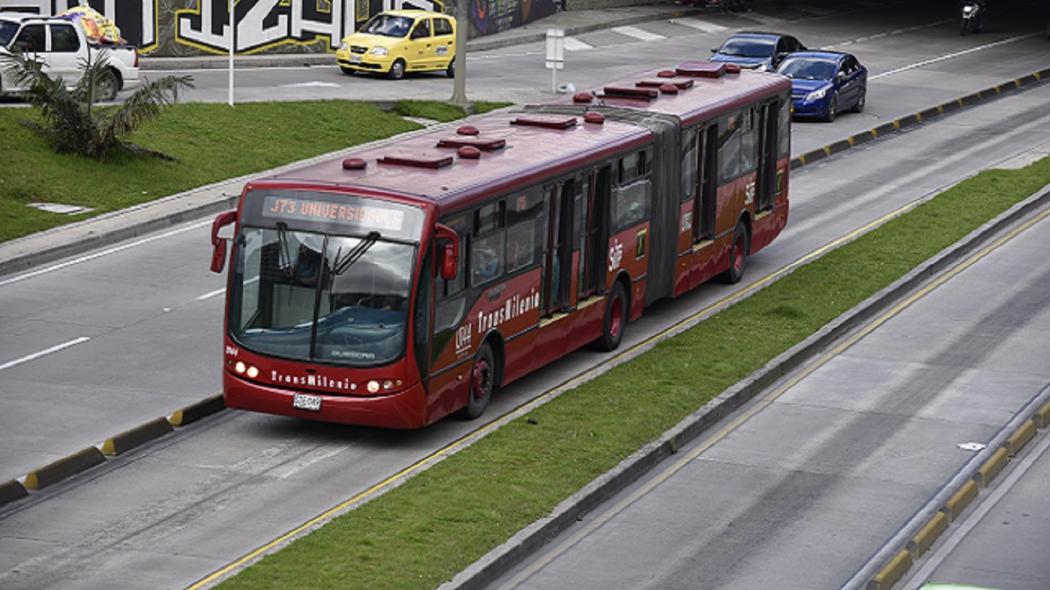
<point>218,254</point>
<point>448,250</point>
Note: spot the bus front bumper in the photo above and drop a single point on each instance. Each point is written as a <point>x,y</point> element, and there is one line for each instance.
<point>404,410</point>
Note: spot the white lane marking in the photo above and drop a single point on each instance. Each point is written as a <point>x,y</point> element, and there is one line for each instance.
<point>638,33</point>
<point>314,84</point>
<point>952,55</point>
<point>769,21</point>
<point>882,35</point>
<point>315,456</point>
<point>695,23</point>
<point>102,253</point>
<point>37,355</point>
<point>211,294</point>
<point>574,44</point>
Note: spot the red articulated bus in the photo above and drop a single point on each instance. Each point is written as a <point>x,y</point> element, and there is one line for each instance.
<point>407,282</point>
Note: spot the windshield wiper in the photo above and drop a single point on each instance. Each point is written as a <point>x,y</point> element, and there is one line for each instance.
<point>342,264</point>
<point>284,255</point>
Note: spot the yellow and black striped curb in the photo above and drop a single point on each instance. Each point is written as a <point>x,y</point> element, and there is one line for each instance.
<point>119,444</point>
<point>913,119</point>
<point>526,542</point>
<point>962,496</point>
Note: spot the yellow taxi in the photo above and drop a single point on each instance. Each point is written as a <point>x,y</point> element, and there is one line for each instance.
<point>394,42</point>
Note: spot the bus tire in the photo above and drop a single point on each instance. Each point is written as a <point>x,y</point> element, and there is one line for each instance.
<point>615,319</point>
<point>737,255</point>
<point>482,383</point>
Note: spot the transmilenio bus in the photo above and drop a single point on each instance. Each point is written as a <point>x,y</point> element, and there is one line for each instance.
<point>407,282</point>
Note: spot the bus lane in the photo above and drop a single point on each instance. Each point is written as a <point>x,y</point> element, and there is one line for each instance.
<point>825,466</point>
<point>154,517</point>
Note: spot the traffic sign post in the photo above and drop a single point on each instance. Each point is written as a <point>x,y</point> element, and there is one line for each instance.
<point>555,54</point>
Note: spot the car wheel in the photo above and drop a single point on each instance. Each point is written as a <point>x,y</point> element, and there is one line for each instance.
<point>859,107</point>
<point>107,86</point>
<point>737,255</point>
<point>482,382</point>
<point>832,111</point>
<point>348,71</point>
<point>615,319</point>
<point>397,70</point>
<point>450,71</point>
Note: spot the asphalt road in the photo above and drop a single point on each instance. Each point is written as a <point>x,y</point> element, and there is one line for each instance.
<point>840,460</point>
<point>142,329</point>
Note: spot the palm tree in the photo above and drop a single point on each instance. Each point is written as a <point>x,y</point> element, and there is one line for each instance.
<point>72,122</point>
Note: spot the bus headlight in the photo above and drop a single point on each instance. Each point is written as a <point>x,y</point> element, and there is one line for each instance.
<point>252,372</point>
<point>240,367</point>
<point>373,386</point>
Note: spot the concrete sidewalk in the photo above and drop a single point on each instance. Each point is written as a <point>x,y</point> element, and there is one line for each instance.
<point>573,22</point>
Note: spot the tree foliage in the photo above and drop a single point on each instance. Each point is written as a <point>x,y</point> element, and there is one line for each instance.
<point>73,123</point>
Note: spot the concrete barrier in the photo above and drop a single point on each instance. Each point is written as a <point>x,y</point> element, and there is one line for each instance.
<point>139,435</point>
<point>69,466</point>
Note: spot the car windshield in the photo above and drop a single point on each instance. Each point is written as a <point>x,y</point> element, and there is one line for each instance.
<point>748,47</point>
<point>7,32</point>
<point>310,296</point>
<point>808,68</point>
<point>388,25</point>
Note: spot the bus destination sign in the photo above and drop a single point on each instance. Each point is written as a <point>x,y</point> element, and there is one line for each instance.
<point>365,215</point>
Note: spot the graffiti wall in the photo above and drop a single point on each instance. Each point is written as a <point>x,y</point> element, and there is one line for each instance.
<point>194,27</point>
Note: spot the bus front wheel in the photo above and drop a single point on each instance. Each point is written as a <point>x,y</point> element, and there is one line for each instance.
<point>615,319</point>
<point>482,382</point>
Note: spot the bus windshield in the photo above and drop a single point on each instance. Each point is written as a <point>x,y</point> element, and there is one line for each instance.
<point>301,291</point>
<point>291,301</point>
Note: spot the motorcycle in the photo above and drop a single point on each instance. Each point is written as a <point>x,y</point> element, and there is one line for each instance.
<point>972,13</point>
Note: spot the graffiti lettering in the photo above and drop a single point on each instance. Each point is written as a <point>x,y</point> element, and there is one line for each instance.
<point>263,24</point>
<point>137,20</point>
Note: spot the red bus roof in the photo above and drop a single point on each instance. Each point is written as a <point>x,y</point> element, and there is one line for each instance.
<point>416,167</point>
<point>712,92</point>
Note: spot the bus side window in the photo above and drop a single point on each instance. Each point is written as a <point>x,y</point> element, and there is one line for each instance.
<point>525,236</point>
<point>728,147</point>
<point>487,254</point>
<point>748,142</point>
<point>784,133</point>
<point>631,197</point>
<point>690,159</point>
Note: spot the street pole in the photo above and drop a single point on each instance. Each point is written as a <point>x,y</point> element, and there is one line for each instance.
<point>459,85</point>
<point>233,42</point>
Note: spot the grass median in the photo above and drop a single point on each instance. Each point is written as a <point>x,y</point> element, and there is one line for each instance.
<point>212,142</point>
<point>424,532</point>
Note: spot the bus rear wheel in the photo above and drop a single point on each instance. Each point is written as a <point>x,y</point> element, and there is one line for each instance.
<point>615,319</point>
<point>737,255</point>
<point>482,382</point>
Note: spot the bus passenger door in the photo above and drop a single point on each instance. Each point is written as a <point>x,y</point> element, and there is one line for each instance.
<point>767,157</point>
<point>557,264</point>
<point>593,255</point>
<point>705,207</point>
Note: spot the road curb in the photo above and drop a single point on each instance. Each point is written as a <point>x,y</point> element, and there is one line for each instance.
<point>908,121</point>
<point>140,435</point>
<point>119,444</point>
<point>194,412</point>
<point>500,560</point>
<point>68,466</point>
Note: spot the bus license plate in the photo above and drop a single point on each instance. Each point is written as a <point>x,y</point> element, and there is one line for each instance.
<point>304,401</point>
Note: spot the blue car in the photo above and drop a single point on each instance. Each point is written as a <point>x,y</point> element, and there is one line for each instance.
<point>756,51</point>
<point>825,83</point>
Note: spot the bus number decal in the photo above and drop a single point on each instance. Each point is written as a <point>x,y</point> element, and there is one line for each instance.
<point>464,338</point>
<point>749,193</point>
<point>231,350</point>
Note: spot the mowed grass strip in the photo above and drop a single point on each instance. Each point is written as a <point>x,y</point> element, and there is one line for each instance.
<point>442,111</point>
<point>424,532</point>
<point>212,142</point>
